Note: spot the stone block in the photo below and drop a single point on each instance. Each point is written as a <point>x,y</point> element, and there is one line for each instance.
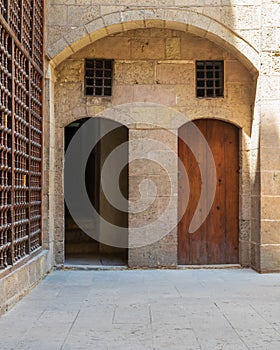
<point>82,41</point>
<point>131,24</point>
<point>141,167</point>
<point>270,159</point>
<point>244,230</point>
<point>245,160</point>
<point>268,20</point>
<point>270,38</point>
<point>255,230</point>
<point>59,51</point>
<point>252,36</point>
<point>270,258</point>
<point>154,23</point>
<point>169,138</point>
<point>133,72</point>
<point>270,86</point>
<point>153,256</point>
<point>11,286</point>
<point>82,14</point>
<point>255,256</point>
<point>239,92</point>
<point>165,185</point>
<point>140,33</point>
<point>270,208</point>
<point>245,183</point>
<point>270,184</point>
<point>56,15</point>
<point>60,54</point>
<point>270,232</point>
<point>167,33</point>
<point>245,17</point>
<point>245,207</point>
<point>270,112</point>
<point>160,94</point>
<point>70,71</point>
<point>110,47</point>
<point>59,252</point>
<point>2,295</point>
<point>106,9</point>
<point>96,29</point>
<point>150,48</point>
<point>236,72</point>
<point>244,253</point>
<point>172,74</point>
<point>255,207</point>
<point>173,49</point>
<point>55,33</point>
<point>160,213</point>
<point>93,110</point>
<point>122,94</point>
<point>255,184</point>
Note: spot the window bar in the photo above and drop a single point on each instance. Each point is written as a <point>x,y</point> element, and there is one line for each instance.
<point>5,150</point>
<point>29,161</point>
<point>4,8</point>
<point>13,154</point>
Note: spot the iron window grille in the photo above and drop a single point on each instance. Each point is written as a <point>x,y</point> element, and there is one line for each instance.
<point>98,77</point>
<point>21,80</point>
<point>209,79</point>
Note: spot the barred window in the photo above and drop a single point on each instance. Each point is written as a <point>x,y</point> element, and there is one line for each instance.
<point>98,77</point>
<point>21,83</point>
<point>209,79</point>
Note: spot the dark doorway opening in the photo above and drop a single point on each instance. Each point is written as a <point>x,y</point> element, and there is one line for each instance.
<point>80,248</point>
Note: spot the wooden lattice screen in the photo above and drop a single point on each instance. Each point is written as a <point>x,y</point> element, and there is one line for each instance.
<point>21,77</point>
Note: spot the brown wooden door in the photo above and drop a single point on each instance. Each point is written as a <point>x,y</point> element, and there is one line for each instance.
<point>216,240</point>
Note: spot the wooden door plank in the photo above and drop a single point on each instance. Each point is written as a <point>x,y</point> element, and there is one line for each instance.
<point>216,241</point>
<point>232,193</point>
<point>186,239</point>
<point>216,218</point>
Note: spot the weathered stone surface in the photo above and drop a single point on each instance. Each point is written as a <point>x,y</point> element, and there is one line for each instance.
<point>150,48</point>
<point>173,49</point>
<point>238,31</point>
<point>133,73</point>
<point>16,284</point>
<point>156,76</point>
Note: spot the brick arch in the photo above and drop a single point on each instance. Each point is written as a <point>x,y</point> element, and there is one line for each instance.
<point>176,19</point>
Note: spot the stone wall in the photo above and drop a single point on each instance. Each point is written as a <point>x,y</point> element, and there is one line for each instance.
<point>156,65</point>
<point>248,30</point>
<point>69,21</point>
<point>18,283</point>
<point>269,140</point>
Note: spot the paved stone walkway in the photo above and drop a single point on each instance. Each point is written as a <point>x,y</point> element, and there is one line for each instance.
<point>147,309</point>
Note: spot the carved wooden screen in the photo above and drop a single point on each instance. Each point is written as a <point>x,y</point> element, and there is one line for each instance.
<point>21,77</point>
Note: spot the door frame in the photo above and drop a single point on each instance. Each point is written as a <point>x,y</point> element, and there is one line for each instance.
<point>245,220</point>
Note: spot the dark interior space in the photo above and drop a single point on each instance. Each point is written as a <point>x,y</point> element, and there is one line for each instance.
<point>80,248</point>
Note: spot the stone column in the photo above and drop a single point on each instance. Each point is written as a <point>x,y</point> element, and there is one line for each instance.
<point>153,184</point>
<point>270,139</point>
<point>48,213</point>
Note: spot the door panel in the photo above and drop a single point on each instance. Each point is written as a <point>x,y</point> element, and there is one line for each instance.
<point>216,240</point>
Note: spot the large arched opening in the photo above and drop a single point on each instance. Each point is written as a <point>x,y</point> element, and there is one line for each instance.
<point>168,80</point>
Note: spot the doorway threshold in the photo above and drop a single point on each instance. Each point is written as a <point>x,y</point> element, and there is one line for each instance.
<point>94,262</point>
<point>93,267</point>
<point>209,267</point>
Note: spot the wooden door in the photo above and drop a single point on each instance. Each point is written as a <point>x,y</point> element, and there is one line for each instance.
<point>216,240</point>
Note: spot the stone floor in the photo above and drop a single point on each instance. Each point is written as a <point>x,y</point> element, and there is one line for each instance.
<point>147,309</point>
